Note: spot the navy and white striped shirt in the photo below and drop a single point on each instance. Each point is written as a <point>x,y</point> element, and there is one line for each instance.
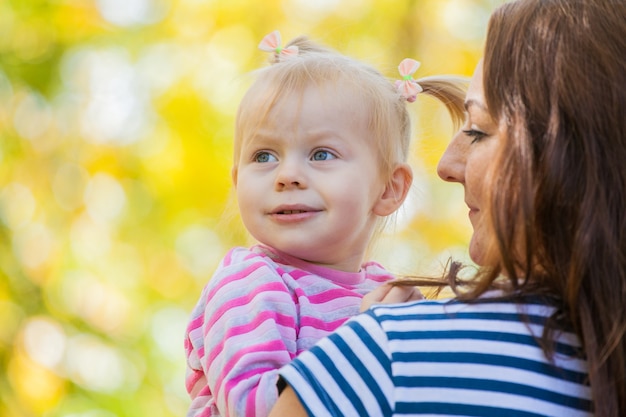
<point>443,358</point>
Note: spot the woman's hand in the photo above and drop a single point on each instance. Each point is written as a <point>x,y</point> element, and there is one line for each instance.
<point>288,404</point>
<point>389,293</point>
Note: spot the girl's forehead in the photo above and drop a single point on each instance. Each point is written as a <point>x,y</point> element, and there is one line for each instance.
<point>270,100</point>
<point>314,110</point>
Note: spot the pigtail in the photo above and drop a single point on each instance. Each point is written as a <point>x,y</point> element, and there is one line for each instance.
<point>297,46</point>
<point>450,91</point>
<point>305,45</point>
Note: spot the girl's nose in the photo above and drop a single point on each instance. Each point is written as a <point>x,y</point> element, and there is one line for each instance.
<point>290,175</point>
<point>451,166</point>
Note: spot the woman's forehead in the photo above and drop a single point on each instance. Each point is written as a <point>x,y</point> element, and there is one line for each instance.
<point>475,92</point>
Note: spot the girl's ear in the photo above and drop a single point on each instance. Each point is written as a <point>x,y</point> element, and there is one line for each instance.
<point>395,191</point>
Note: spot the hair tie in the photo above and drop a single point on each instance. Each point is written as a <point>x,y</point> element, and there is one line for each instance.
<point>272,43</point>
<point>408,87</point>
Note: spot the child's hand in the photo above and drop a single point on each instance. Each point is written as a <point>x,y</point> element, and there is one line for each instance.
<point>388,294</point>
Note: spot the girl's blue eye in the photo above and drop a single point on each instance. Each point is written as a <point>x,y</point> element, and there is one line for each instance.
<point>322,155</point>
<point>264,157</point>
<point>476,135</point>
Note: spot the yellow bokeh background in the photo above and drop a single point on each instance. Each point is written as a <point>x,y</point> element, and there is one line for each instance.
<point>116,121</point>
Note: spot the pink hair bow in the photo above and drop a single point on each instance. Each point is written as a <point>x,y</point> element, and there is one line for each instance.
<point>272,43</point>
<point>408,87</point>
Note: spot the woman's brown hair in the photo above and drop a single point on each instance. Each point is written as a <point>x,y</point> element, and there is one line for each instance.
<point>555,73</point>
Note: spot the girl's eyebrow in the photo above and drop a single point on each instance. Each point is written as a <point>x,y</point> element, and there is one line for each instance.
<point>262,137</point>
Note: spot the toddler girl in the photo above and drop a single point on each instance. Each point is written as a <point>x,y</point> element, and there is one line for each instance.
<point>320,151</point>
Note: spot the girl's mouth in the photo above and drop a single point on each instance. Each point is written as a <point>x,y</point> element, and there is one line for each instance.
<point>291,211</point>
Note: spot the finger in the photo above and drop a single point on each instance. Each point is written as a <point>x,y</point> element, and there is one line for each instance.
<point>402,294</point>
<point>415,295</point>
<point>374,296</point>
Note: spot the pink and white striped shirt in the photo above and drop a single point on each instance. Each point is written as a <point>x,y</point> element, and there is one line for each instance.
<point>258,312</point>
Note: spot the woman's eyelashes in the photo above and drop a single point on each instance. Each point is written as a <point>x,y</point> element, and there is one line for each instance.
<point>474,134</point>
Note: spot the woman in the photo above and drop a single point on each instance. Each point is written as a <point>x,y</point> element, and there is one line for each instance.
<point>539,330</point>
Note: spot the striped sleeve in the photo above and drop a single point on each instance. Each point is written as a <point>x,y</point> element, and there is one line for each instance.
<point>347,373</point>
<point>242,330</point>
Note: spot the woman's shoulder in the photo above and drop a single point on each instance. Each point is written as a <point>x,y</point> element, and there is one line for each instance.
<point>488,321</point>
<point>492,306</point>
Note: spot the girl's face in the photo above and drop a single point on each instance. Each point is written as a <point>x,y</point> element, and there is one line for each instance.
<point>308,179</point>
<point>468,158</point>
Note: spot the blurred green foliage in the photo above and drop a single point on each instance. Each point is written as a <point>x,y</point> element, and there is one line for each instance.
<point>115,138</point>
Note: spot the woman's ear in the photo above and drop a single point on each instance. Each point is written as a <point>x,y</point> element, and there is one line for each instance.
<point>395,191</point>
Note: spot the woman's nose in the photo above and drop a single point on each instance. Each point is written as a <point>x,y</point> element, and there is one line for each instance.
<point>451,166</point>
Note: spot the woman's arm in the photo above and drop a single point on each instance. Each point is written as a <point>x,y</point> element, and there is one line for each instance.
<point>288,404</point>
<point>347,373</point>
